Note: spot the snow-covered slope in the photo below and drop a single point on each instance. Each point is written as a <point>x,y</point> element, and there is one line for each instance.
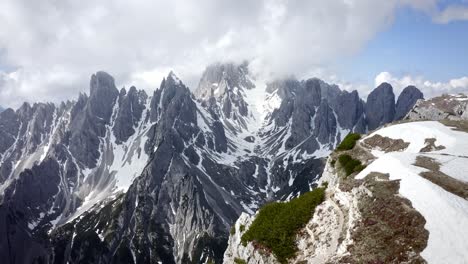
<point>446,213</point>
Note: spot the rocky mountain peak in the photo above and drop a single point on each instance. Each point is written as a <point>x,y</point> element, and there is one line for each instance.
<point>380,106</point>
<point>406,101</point>
<point>217,79</point>
<point>101,81</point>
<point>103,95</point>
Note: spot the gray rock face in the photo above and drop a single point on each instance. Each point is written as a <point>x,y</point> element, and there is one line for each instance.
<point>408,97</point>
<point>90,117</point>
<point>350,110</point>
<point>222,89</point>
<point>54,157</point>
<point>180,208</point>
<point>380,106</point>
<point>218,78</point>
<point>130,112</point>
<point>103,94</point>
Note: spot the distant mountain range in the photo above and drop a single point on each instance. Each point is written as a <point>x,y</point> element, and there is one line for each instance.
<point>120,176</point>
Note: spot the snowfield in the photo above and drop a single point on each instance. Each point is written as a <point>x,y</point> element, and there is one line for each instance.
<point>446,213</point>
<point>455,142</point>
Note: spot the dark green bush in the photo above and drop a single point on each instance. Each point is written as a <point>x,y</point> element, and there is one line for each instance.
<point>349,141</point>
<point>325,184</point>
<point>349,164</point>
<point>233,229</point>
<point>242,228</point>
<point>276,224</point>
<point>239,261</point>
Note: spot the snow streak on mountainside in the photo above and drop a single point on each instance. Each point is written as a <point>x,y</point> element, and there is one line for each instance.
<point>123,177</point>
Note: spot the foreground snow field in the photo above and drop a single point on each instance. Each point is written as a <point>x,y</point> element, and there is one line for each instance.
<point>446,214</point>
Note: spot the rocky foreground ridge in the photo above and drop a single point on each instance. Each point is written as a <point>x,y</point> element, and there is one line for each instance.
<point>404,200</point>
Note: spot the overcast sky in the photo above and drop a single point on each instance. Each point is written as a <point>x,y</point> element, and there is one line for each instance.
<point>49,48</point>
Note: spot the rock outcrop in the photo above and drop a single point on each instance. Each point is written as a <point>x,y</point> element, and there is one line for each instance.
<point>453,107</point>
<point>380,106</point>
<point>407,99</point>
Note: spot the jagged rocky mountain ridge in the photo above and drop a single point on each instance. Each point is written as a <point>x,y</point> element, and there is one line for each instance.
<point>162,177</point>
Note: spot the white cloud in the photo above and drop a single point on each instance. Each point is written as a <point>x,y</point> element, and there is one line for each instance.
<point>429,88</point>
<point>452,13</point>
<point>56,45</point>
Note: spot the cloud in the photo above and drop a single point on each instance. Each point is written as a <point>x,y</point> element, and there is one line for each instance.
<point>429,88</point>
<point>54,46</point>
<point>451,13</point>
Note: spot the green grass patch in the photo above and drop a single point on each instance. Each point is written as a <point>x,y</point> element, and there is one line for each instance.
<point>242,228</point>
<point>349,164</point>
<point>349,141</point>
<point>276,225</point>
<point>239,261</point>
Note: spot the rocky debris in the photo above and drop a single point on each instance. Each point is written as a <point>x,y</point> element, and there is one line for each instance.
<point>452,107</point>
<point>431,146</point>
<point>434,175</point>
<point>406,100</point>
<point>459,125</point>
<point>389,229</point>
<point>385,144</point>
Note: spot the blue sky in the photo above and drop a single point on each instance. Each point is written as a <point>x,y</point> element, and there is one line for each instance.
<point>413,45</point>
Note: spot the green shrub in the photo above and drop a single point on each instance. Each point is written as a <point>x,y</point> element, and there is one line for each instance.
<point>332,162</point>
<point>239,261</point>
<point>276,224</point>
<point>233,230</point>
<point>242,228</point>
<point>325,184</point>
<point>349,141</point>
<point>349,164</point>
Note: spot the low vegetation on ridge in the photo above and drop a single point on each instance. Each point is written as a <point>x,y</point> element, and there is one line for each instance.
<point>349,141</point>
<point>349,164</point>
<point>277,224</point>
